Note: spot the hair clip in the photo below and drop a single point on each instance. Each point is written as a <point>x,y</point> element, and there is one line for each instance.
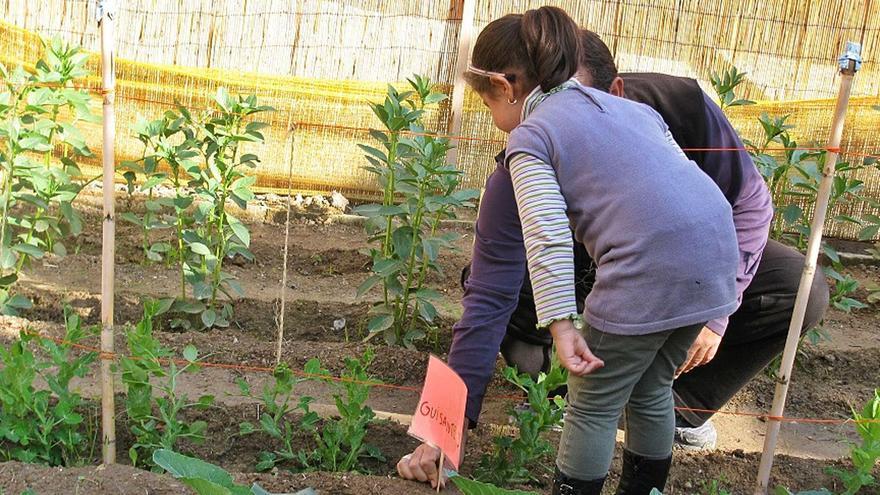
<point>485,73</point>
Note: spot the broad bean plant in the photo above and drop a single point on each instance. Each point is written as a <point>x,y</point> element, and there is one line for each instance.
<point>201,160</point>
<point>41,144</point>
<point>420,189</point>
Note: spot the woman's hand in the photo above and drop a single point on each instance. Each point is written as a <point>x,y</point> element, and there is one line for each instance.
<point>572,349</point>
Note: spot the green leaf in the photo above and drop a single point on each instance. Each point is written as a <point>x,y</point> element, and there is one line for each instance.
<point>386,268</point>
<point>427,311</point>
<point>369,211</point>
<point>868,233</point>
<point>472,487</point>
<point>435,98</point>
<point>266,462</point>
<point>200,249</point>
<point>831,253</point>
<point>205,487</point>
<point>8,280</point>
<point>35,143</point>
<point>431,248</point>
<point>269,426</point>
<point>401,239</point>
<point>792,213</point>
<point>59,249</point>
<point>223,99</point>
<point>18,301</point>
<point>152,181</point>
<point>181,466</point>
<point>380,323</point>
<point>428,295</point>
<point>7,258</point>
<point>209,317</point>
<point>130,217</point>
<point>188,307</point>
<point>381,156</point>
<point>368,284</point>
<point>242,187</point>
<point>190,353</point>
<point>161,247</point>
<point>29,249</point>
<point>240,230</point>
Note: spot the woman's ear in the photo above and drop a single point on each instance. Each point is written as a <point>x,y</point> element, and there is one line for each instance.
<point>502,87</point>
<point>616,87</point>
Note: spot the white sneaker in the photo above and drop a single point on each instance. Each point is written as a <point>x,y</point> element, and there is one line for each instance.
<point>703,437</point>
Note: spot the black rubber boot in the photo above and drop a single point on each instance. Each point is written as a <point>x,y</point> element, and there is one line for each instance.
<point>641,474</point>
<point>563,485</point>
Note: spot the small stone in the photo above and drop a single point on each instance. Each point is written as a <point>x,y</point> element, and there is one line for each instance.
<point>688,485</point>
<point>339,324</point>
<point>338,201</point>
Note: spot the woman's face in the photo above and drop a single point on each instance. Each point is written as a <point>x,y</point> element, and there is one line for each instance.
<point>506,115</point>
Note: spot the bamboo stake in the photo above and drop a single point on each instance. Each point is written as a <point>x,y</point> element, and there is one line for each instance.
<point>440,469</point>
<point>106,15</point>
<point>286,245</point>
<point>461,63</point>
<point>849,64</point>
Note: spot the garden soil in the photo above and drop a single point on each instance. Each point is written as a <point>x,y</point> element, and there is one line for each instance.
<point>324,319</point>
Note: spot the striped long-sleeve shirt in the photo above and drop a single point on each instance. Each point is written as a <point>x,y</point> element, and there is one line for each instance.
<point>547,238</point>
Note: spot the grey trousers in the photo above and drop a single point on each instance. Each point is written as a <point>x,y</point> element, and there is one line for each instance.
<point>637,377</point>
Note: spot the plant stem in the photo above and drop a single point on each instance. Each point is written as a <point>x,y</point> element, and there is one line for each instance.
<point>8,176</point>
<point>416,226</point>
<point>179,228</point>
<point>423,271</point>
<point>23,257</point>
<point>221,219</point>
<point>388,200</point>
<point>148,215</point>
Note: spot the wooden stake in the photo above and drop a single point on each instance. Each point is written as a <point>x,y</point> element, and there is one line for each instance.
<point>440,469</point>
<point>461,63</point>
<point>849,64</point>
<point>280,343</point>
<point>106,16</point>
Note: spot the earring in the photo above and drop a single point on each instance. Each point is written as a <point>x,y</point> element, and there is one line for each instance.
<point>512,102</point>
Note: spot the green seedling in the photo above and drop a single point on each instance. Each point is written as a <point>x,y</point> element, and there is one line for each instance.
<point>340,441</point>
<point>521,459</point>
<point>278,405</point>
<point>865,455</point>
<point>153,404</point>
<point>44,426</point>
<point>725,85</point>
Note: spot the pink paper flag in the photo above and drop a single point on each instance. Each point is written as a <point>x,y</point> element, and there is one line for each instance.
<point>439,417</point>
